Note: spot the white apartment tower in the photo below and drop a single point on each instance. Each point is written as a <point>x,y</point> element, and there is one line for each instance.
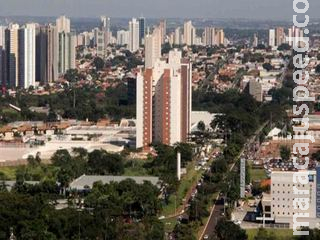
<point>27,56</point>
<point>209,38</point>
<point>272,38</point>
<point>63,24</point>
<point>133,35</point>
<point>177,36</point>
<point>2,36</point>
<point>164,102</point>
<point>189,33</point>
<point>67,52</point>
<point>152,48</point>
<point>123,37</point>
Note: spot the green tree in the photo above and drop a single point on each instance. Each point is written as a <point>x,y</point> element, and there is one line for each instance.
<point>227,230</point>
<point>98,63</point>
<point>285,153</point>
<point>183,232</point>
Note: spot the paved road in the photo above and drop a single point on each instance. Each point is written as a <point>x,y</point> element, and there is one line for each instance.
<point>218,205</point>
<point>215,216</point>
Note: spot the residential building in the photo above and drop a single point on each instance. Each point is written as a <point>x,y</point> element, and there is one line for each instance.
<point>272,38</point>
<point>164,102</point>
<point>280,36</point>
<point>142,30</point>
<point>63,24</point>
<point>220,40</point>
<point>12,47</point>
<point>27,56</point>
<point>152,48</point>
<point>123,37</point>
<point>2,36</point>
<point>133,35</point>
<point>189,33</point>
<point>67,52</point>
<point>46,59</point>
<point>163,30</point>
<point>101,46</point>
<point>209,38</point>
<point>177,36</point>
<point>105,23</point>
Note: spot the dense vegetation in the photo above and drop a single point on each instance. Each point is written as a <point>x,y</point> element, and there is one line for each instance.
<point>122,210</point>
<point>86,102</point>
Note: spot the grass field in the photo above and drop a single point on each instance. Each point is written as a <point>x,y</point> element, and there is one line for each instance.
<point>8,173</point>
<point>258,174</point>
<point>280,234</point>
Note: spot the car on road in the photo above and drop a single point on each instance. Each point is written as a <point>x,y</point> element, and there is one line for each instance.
<point>205,237</point>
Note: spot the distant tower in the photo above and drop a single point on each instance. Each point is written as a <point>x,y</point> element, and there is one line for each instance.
<point>255,40</point>
<point>63,24</point>
<point>142,30</point>
<point>163,30</point>
<point>179,166</point>
<point>152,48</point>
<point>133,35</point>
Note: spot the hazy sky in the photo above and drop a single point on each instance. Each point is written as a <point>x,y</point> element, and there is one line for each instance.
<point>256,9</point>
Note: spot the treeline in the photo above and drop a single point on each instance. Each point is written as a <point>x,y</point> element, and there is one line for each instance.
<point>85,102</point>
<point>124,210</point>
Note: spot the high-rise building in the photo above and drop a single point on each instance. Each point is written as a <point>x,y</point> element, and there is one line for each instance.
<point>105,23</point>
<point>142,30</point>
<point>220,40</point>
<point>123,37</point>
<point>12,47</point>
<point>46,58</point>
<point>3,67</point>
<point>27,56</point>
<point>280,36</point>
<point>101,48</point>
<point>163,30</point>
<point>209,36</point>
<point>67,52</point>
<point>152,48</point>
<point>133,35</point>
<point>177,36</point>
<point>189,33</point>
<point>2,36</point>
<point>272,38</point>
<point>164,102</point>
<point>63,24</point>
<point>105,28</point>
<point>255,40</point>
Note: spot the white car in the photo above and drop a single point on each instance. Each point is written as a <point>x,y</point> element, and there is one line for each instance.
<point>205,237</point>
<point>237,222</point>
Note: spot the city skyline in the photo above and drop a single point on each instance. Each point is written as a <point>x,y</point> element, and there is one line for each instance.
<point>248,9</point>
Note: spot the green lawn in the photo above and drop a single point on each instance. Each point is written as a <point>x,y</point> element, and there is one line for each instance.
<point>280,234</point>
<point>258,174</point>
<point>169,224</point>
<point>8,173</point>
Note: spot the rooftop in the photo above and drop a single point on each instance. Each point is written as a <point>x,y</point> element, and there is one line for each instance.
<point>87,181</point>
